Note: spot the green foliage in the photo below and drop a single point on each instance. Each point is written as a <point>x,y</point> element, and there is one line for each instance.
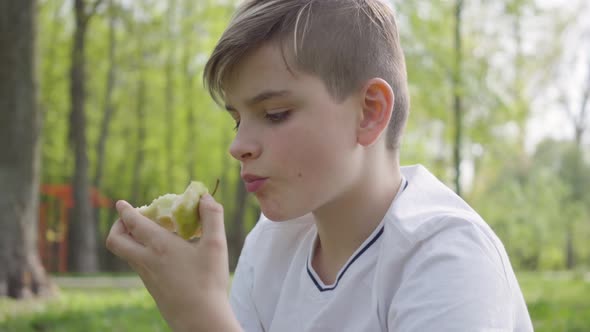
<point>160,51</point>
<point>530,200</point>
<point>531,205</point>
<point>500,75</point>
<point>153,49</point>
<point>527,216</point>
<point>136,23</point>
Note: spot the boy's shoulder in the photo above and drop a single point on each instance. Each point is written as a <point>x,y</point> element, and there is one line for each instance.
<point>427,206</point>
<point>428,214</point>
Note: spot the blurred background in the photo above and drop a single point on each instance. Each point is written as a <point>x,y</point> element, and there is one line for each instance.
<point>103,100</point>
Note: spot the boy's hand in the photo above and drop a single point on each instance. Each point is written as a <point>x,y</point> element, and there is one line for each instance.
<point>188,280</point>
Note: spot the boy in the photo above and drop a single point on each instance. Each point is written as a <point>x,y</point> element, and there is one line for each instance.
<point>319,94</point>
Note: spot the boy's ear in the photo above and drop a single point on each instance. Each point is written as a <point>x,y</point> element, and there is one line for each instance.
<point>377,100</point>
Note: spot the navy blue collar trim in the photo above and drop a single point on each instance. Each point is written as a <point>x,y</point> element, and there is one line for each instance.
<point>367,246</point>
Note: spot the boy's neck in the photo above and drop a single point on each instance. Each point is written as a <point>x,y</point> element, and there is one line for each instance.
<point>344,224</point>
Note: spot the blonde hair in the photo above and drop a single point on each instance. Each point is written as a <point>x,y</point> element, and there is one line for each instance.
<point>343,42</point>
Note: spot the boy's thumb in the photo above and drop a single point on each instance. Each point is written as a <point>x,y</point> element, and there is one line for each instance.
<point>211,214</point>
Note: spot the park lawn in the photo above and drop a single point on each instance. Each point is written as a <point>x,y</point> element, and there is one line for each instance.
<point>556,303</point>
<point>111,309</point>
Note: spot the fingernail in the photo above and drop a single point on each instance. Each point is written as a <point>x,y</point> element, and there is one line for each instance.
<point>120,204</point>
<point>207,198</point>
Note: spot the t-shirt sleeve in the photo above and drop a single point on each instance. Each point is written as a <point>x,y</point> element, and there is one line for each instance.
<point>241,290</point>
<point>453,281</point>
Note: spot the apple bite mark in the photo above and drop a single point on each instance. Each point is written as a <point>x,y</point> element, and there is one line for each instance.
<point>178,213</point>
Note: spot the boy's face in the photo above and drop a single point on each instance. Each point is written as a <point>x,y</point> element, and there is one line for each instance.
<point>292,134</point>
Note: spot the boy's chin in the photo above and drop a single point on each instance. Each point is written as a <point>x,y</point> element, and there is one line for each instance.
<point>275,216</point>
<point>282,215</point>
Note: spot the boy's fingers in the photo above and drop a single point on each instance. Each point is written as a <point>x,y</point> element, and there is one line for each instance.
<point>122,244</point>
<point>211,214</point>
<point>141,228</point>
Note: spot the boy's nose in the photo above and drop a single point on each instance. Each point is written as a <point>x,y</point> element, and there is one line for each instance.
<point>243,149</point>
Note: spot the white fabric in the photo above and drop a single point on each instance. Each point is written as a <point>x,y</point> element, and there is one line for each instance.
<point>431,265</point>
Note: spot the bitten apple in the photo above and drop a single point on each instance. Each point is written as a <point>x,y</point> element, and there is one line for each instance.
<point>178,213</point>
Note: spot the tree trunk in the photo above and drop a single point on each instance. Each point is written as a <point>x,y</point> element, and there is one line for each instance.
<point>169,98</point>
<point>570,261</point>
<point>50,71</point>
<point>579,123</point>
<point>520,105</point>
<point>141,127</point>
<point>82,230</point>
<point>224,186</point>
<point>109,108</point>
<point>457,96</point>
<point>189,88</point>
<point>192,136</point>
<point>236,237</point>
<point>21,272</point>
<point>49,100</point>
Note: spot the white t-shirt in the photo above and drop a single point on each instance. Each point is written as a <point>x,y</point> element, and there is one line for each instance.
<point>432,264</point>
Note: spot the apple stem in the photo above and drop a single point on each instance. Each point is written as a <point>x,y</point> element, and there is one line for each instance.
<point>216,186</point>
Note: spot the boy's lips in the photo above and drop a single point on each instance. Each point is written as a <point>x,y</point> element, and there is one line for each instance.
<point>253,182</point>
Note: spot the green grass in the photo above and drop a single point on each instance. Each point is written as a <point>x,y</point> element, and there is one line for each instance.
<point>117,310</point>
<point>556,303</point>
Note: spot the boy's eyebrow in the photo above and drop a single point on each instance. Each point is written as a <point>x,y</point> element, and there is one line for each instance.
<point>263,96</point>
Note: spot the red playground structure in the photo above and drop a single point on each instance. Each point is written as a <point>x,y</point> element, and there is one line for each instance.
<point>54,211</point>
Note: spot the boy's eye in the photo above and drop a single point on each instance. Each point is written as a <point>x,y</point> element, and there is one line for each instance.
<point>236,118</point>
<point>278,116</point>
<point>275,117</point>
